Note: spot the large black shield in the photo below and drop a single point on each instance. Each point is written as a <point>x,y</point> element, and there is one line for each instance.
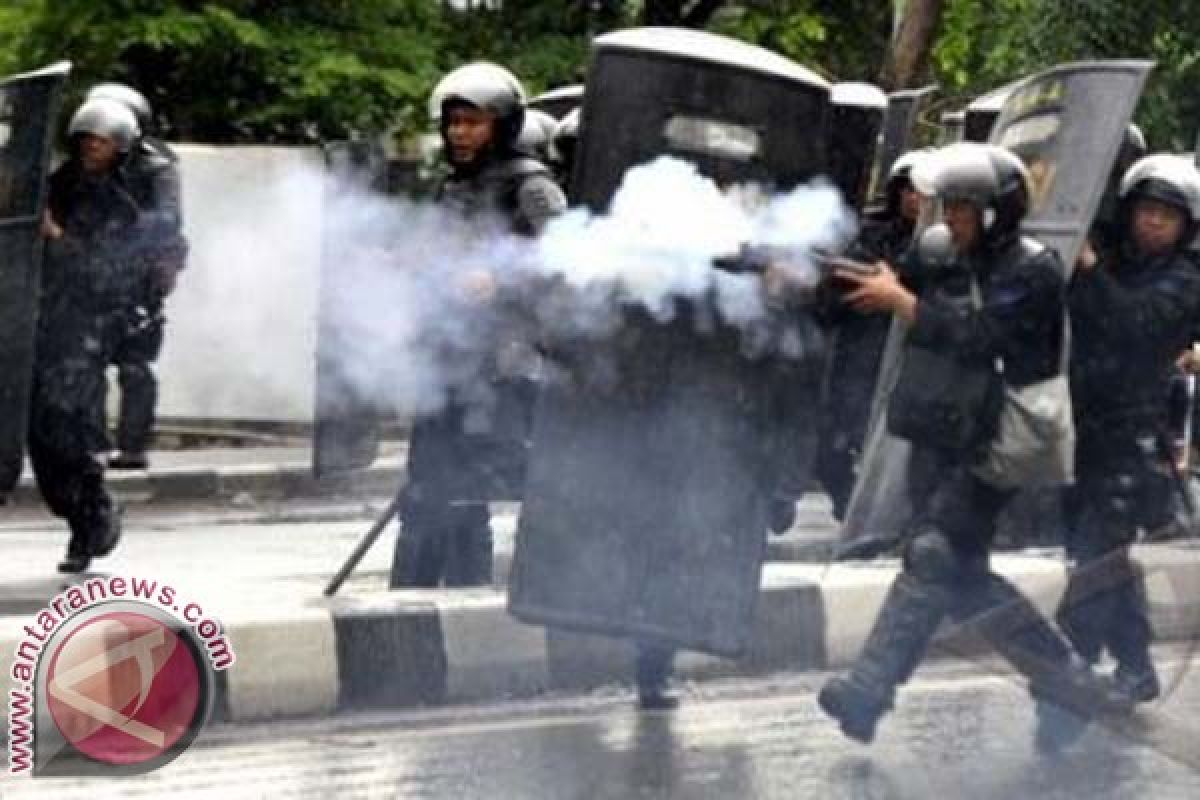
<point>899,124</point>
<point>647,493</point>
<point>29,105</point>
<point>1050,121</point>
<point>740,113</point>
<point>857,119</point>
<point>346,428</point>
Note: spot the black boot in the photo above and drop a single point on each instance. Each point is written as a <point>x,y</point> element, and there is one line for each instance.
<point>1137,683</point>
<point>74,563</point>
<point>110,532</point>
<point>653,675</point>
<point>1128,639</point>
<point>909,618</point>
<point>78,557</point>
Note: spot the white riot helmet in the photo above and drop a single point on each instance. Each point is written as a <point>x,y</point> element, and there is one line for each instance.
<point>487,86</point>
<point>108,118</point>
<point>988,176</point>
<point>1165,177</point>
<point>129,97</point>
<point>900,176</point>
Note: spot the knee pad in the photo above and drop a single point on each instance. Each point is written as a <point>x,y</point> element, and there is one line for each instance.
<point>930,557</point>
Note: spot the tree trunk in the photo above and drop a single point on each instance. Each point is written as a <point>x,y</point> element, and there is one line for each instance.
<point>912,42</point>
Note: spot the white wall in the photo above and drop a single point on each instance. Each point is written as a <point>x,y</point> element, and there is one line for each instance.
<point>241,334</point>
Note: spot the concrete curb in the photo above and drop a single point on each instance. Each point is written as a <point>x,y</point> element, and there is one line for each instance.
<point>262,481</point>
<point>430,647</point>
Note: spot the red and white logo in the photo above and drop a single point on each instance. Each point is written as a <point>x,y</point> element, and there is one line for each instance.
<point>124,688</point>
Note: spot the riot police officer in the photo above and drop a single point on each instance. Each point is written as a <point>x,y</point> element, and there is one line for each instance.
<point>1018,317</point>
<point>152,175</point>
<point>1133,313</point>
<point>477,441</point>
<point>96,236</point>
<point>859,341</point>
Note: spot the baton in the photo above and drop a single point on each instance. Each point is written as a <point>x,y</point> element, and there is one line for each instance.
<point>365,544</point>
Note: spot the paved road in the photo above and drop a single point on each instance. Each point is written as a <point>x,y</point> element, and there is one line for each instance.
<point>264,549</point>
<point>959,732</point>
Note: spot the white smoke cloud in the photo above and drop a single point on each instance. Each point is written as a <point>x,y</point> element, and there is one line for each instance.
<point>414,319</point>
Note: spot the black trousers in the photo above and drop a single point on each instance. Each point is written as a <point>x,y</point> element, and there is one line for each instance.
<point>442,543</point>
<point>1121,487</point>
<point>947,575</point>
<point>134,354</point>
<point>65,436</point>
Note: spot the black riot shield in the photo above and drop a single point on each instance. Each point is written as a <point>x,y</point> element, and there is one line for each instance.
<point>647,494</point>
<point>1050,121</point>
<point>857,119</point>
<point>559,102</point>
<point>346,426</point>
<point>28,107</point>
<point>899,124</point>
<point>738,112</point>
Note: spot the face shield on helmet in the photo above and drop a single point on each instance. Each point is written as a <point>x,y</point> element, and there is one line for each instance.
<point>108,119</point>
<point>485,86</point>
<point>127,96</point>
<point>989,177</point>
<point>1169,179</point>
<point>1165,177</point>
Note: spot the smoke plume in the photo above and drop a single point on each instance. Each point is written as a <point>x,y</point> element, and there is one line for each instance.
<point>421,301</point>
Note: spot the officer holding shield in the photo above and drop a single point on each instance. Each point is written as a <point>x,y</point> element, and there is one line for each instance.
<point>456,453</point>
<point>1132,312</point>
<point>859,341</point>
<point>999,295</point>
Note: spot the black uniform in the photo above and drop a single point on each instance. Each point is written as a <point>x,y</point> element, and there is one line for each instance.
<point>1131,319</point>
<point>462,456</point>
<point>152,177</point>
<point>855,356</point>
<point>102,259</point>
<point>946,559</point>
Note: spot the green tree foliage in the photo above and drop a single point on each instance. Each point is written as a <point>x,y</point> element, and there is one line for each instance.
<point>843,39</point>
<point>242,70</point>
<point>984,45</point>
<point>303,70</point>
<point>16,18</point>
